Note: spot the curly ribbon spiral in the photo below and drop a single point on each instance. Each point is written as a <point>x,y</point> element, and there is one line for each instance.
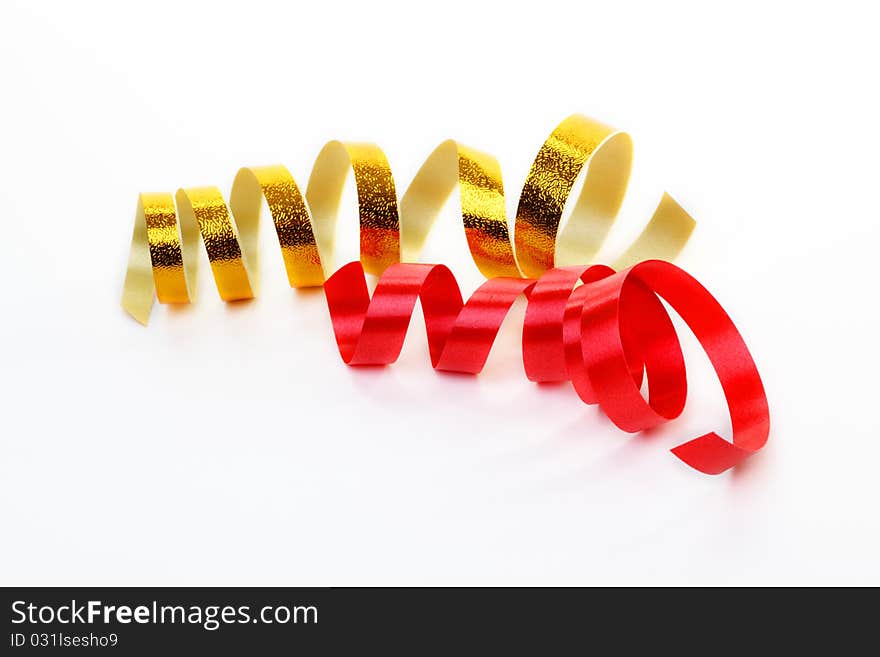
<point>603,334</point>
<point>163,258</point>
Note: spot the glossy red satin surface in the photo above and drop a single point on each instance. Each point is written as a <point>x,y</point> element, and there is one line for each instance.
<point>603,331</point>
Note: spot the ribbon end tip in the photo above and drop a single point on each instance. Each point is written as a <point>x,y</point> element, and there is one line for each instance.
<point>710,454</point>
<point>139,314</point>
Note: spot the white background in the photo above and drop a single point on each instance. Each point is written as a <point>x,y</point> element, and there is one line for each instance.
<point>230,445</point>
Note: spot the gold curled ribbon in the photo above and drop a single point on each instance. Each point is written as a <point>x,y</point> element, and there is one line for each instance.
<point>163,259</point>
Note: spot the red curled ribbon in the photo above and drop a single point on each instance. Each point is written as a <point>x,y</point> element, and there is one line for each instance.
<point>603,335</point>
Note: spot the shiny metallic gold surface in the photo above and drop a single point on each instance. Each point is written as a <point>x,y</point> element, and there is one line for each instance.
<point>290,214</point>
<point>481,194</point>
<point>163,245</point>
<point>377,202</point>
<point>207,207</point>
<point>574,143</point>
